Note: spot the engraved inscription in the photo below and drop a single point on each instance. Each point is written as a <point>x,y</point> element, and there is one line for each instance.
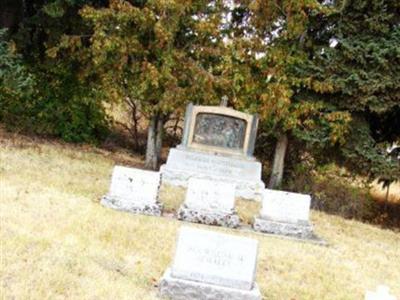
<point>219,130</point>
<point>209,195</point>
<point>215,258</point>
<point>225,168</point>
<point>130,183</point>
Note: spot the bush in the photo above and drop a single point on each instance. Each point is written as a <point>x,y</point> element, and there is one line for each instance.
<point>49,100</point>
<point>334,191</point>
<point>67,108</point>
<point>16,83</point>
<point>345,200</point>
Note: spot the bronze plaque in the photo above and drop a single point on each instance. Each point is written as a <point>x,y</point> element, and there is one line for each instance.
<point>219,130</point>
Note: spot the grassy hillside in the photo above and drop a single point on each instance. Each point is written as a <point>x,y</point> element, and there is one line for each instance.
<point>58,242</point>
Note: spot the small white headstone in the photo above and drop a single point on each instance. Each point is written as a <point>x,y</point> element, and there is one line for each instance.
<point>285,207</point>
<point>215,258</point>
<point>133,190</point>
<point>210,195</point>
<point>209,202</point>
<point>382,293</point>
<point>139,185</point>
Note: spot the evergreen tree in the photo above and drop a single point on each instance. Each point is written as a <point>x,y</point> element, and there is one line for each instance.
<point>328,74</point>
<point>354,64</point>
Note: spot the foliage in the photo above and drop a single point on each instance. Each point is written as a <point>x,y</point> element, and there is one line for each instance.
<point>62,103</point>
<point>156,55</point>
<point>336,190</point>
<point>355,66</point>
<point>16,83</point>
<point>326,73</point>
<point>306,86</point>
<point>153,52</point>
<point>368,157</point>
<point>272,38</point>
<point>67,108</point>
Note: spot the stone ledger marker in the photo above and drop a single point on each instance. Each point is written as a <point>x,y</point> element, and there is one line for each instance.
<point>210,203</point>
<point>213,266</point>
<point>285,213</point>
<point>133,190</point>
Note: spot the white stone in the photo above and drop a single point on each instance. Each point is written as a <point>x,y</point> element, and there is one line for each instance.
<point>300,230</point>
<point>285,213</point>
<point>215,258</point>
<point>382,293</point>
<point>285,207</point>
<point>203,194</point>
<point>209,202</point>
<point>183,164</point>
<point>214,164</point>
<point>181,289</point>
<point>133,190</point>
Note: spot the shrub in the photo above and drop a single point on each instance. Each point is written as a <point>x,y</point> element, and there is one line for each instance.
<point>335,192</point>
<point>343,199</point>
<point>49,100</point>
<point>16,83</point>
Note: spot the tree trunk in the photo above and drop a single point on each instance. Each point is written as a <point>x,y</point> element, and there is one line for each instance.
<point>11,13</point>
<point>151,155</point>
<point>159,138</point>
<point>279,162</point>
<point>154,142</point>
<point>386,198</point>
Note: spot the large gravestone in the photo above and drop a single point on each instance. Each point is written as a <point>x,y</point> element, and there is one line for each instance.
<point>218,145</point>
<point>213,266</point>
<point>209,202</point>
<point>285,213</point>
<point>134,190</point>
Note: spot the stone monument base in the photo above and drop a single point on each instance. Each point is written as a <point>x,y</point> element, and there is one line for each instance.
<point>183,164</point>
<point>180,289</point>
<point>151,209</point>
<point>226,219</point>
<point>303,230</point>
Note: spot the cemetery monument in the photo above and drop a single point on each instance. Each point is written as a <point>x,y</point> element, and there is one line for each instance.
<point>217,144</point>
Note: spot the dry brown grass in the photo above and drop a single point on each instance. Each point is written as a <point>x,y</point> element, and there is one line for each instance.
<point>378,192</point>
<point>58,242</point>
<point>172,197</point>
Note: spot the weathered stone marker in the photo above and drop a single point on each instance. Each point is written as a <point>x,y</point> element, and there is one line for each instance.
<point>134,190</point>
<point>284,213</point>
<point>211,265</point>
<point>209,202</point>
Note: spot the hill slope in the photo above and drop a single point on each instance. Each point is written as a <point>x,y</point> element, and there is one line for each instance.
<point>58,242</point>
